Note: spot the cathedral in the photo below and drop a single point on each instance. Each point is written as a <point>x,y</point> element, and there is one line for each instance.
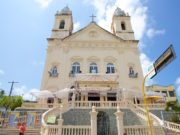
<point>99,64</point>
<point>94,80</point>
<point>92,85</point>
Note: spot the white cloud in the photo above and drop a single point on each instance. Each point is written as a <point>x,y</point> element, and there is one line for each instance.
<point>1,72</point>
<point>178,81</point>
<point>43,3</point>
<point>153,32</point>
<point>76,26</point>
<point>145,62</point>
<point>0,84</point>
<point>25,92</point>
<point>138,12</point>
<point>28,96</point>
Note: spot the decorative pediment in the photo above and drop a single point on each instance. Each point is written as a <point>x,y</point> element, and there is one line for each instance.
<point>93,32</point>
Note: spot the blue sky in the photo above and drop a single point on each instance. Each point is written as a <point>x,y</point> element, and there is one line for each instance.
<point>25,25</point>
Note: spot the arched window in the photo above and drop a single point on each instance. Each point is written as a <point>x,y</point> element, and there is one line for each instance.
<point>93,68</point>
<point>110,68</point>
<point>76,68</point>
<point>62,24</point>
<point>123,26</point>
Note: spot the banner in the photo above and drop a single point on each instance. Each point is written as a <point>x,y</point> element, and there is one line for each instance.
<point>13,119</point>
<point>30,119</point>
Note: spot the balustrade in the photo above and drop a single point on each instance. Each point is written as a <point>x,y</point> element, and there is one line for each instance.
<point>153,106</point>
<point>98,104</point>
<point>172,126</point>
<point>141,130</point>
<point>76,130</point>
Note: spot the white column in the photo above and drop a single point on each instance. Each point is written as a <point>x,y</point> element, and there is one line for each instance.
<point>60,123</point>
<point>93,114</point>
<point>135,98</point>
<point>119,120</point>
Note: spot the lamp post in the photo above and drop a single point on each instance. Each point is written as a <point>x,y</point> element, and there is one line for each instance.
<point>165,58</point>
<point>145,102</point>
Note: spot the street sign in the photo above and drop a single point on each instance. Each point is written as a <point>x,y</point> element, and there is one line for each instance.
<point>167,57</point>
<point>151,71</point>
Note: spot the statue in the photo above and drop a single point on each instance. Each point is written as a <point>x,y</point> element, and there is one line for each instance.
<point>132,74</point>
<point>53,72</point>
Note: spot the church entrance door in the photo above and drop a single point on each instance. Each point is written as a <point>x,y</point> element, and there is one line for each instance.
<point>103,125</point>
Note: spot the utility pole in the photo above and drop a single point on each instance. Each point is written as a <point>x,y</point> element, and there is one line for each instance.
<point>12,84</point>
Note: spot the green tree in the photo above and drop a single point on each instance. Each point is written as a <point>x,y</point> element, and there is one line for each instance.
<point>17,102</point>
<point>11,102</point>
<point>1,93</point>
<point>172,105</point>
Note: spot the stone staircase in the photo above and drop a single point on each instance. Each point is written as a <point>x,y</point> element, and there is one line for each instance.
<point>131,119</point>
<point>167,115</point>
<point>82,117</point>
<point>134,120</point>
<point>29,131</point>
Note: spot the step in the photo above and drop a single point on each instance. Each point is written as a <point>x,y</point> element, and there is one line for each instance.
<point>8,131</point>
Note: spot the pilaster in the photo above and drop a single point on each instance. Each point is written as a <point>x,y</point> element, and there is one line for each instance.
<point>93,114</point>
<point>60,123</point>
<point>119,120</point>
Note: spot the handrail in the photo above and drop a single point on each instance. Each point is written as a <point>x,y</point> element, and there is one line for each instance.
<point>54,111</point>
<point>172,126</point>
<point>156,120</point>
<point>153,106</point>
<point>44,115</point>
<point>45,128</point>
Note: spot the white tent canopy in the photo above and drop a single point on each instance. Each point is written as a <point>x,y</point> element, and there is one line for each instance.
<point>43,94</point>
<point>48,94</point>
<point>63,93</point>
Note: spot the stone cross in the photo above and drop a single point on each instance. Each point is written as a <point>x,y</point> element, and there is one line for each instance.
<point>93,16</point>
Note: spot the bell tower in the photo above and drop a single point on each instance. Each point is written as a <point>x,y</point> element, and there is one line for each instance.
<point>121,25</point>
<point>63,25</point>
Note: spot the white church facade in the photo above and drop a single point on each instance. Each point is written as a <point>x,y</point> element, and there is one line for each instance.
<point>93,60</point>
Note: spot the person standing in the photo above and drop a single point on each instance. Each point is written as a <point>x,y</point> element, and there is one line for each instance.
<point>22,129</point>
